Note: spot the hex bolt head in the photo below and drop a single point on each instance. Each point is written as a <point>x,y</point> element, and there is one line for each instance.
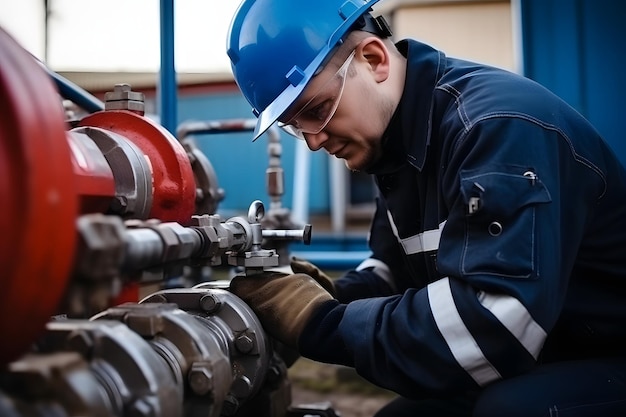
<point>119,204</point>
<point>241,387</point>
<point>141,408</point>
<point>244,343</point>
<point>230,406</point>
<point>199,194</point>
<point>200,378</point>
<point>210,303</point>
<point>273,374</point>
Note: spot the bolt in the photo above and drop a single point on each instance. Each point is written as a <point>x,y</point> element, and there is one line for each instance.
<point>121,88</point>
<point>200,220</point>
<point>241,387</point>
<point>200,378</point>
<point>244,343</point>
<point>122,97</point>
<point>141,408</point>
<point>81,342</point>
<point>210,303</point>
<point>199,194</point>
<point>230,406</point>
<point>273,374</point>
<point>119,204</point>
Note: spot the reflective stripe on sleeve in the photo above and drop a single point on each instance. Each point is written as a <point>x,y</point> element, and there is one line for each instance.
<point>379,268</point>
<point>421,242</point>
<point>516,318</point>
<point>458,338</point>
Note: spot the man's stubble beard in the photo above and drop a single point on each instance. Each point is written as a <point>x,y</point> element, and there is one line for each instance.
<point>374,152</point>
<point>370,159</point>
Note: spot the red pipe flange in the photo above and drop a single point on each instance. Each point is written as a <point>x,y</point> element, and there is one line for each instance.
<point>38,200</point>
<point>95,185</point>
<point>174,189</point>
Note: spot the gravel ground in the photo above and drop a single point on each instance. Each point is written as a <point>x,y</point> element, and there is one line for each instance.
<point>346,392</point>
<point>344,404</point>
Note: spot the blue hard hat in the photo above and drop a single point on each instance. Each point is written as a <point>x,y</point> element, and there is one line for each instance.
<point>276,46</point>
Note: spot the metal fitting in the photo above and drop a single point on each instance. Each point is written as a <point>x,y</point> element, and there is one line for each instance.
<point>204,225</point>
<point>244,343</point>
<point>200,378</point>
<point>141,408</point>
<point>101,246</point>
<point>81,342</point>
<point>123,98</point>
<point>241,387</point>
<point>131,171</point>
<point>230,406</point>
<point>210,303</point>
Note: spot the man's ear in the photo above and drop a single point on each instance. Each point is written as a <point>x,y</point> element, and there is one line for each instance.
<point>374,51</point>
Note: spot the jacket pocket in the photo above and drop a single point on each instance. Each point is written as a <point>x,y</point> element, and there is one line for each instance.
<point>500,234</point>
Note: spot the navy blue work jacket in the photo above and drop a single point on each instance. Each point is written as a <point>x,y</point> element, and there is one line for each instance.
<point>499,240</point>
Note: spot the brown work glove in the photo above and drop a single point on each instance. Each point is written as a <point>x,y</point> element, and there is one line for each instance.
<point>300,266</point>
<point>284,303</point>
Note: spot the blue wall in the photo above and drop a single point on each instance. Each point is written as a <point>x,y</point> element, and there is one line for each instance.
<point>576,49</point>
<point>240,164</point>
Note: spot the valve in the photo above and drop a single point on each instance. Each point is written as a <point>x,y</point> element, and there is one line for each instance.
<point>243,238</point>
<point>256,259</point>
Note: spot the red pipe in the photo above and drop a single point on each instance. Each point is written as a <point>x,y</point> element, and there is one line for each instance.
<point>38,200</point>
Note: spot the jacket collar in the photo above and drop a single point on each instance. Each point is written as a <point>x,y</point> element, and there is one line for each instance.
<point>407,137</point>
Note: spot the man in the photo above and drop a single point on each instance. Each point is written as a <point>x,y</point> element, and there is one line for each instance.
<point>496,284</point>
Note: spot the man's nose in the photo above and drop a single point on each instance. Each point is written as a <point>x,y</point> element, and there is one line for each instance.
<point>315,141</point>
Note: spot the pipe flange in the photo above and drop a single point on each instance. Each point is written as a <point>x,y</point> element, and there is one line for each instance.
<point>131,172</point>
<point>224,313</point>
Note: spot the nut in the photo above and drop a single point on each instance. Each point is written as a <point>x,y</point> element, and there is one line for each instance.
<point>244,343</point>
<point>210,303</point>
<point>200,378</point>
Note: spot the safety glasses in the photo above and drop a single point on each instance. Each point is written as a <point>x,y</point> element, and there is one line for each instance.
<point>317,112</point>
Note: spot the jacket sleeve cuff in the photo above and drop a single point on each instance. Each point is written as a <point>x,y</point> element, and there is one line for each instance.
<point>320,340</point>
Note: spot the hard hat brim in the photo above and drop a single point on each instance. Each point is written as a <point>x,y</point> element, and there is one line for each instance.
<point>275,109</point>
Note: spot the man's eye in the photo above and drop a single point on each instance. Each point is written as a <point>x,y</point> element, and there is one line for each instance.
<point>318,112</point>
